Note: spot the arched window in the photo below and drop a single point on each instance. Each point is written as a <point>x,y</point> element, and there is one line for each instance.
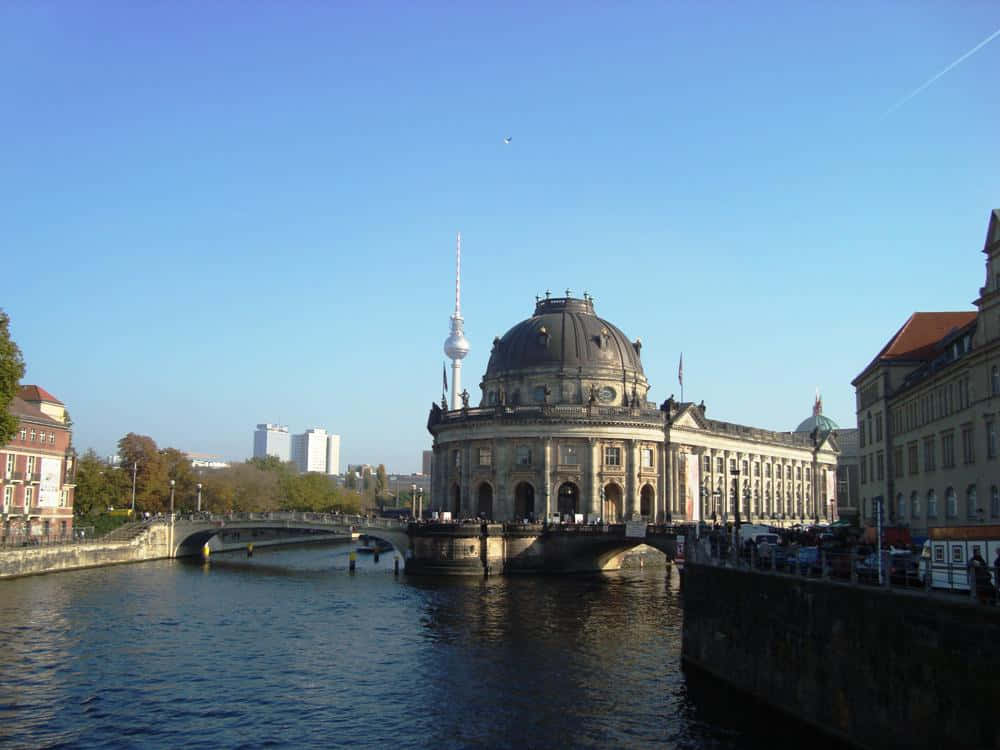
<point>931,504</point>
<point>950,503</point>
<point>901,506</point>
<point>971,505</point>
<point>914,504</point>
<point>994,501</point>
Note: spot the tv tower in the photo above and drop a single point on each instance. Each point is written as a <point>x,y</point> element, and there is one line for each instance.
<point>456,346</point>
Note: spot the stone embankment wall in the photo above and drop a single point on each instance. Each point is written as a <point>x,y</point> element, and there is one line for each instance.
<point>24,561</point>
<point>878,668</point>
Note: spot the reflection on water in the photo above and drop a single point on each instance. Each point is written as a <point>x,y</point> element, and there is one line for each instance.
<point>289,649</point>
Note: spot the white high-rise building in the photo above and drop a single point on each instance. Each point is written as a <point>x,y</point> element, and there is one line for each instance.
<point>333,454</point>
<point>272,440</point>
<point>309,450</point>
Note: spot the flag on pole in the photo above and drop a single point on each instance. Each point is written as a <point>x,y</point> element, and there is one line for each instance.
<point>444,377</point>
<point>680,370</point>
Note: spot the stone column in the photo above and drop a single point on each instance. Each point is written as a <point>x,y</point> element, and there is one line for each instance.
<point>503,509</point>
<point>546,504</point>
<point>468,507</point>
<point>661,482</point>
<point>629,504</point>
<point>595,489</point>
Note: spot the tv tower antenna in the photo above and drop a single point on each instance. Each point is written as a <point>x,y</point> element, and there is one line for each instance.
<point>456,346</point>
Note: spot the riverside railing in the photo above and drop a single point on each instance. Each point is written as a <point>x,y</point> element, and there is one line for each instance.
<point>18,539</point>
<point>886,569</point>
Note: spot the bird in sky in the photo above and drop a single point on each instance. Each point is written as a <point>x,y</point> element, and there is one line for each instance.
<point>506,139</point>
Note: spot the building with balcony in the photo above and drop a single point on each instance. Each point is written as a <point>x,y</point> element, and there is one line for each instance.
<point>565,428</point>
<point>38,465</point>
<point>927,411</point>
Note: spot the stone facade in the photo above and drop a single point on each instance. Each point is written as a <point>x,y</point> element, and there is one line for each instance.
<point>564,429</point>
<point>928,408</point>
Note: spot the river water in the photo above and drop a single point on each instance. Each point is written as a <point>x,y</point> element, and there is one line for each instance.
<point>289,649</point>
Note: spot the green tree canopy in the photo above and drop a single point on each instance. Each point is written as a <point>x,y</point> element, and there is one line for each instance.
<point>99,486</point>
<point>11,372</point>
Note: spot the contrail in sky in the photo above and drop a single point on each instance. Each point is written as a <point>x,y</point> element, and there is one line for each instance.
<point>916,91</point>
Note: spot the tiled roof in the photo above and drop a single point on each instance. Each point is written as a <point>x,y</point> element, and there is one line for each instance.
<point>23,410</point>
<point>919,335</point>
<point>37,393</point>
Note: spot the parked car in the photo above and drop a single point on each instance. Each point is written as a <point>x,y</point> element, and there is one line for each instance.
<point>904,568</point>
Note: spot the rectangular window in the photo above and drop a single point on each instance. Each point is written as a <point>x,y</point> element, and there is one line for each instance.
<point>880,465</point>
<point>31,464</point>
<point>968,448</point>
<point>897,462</point>
<point>746,467</point>
<point>28,492</point>
<point>720,466</point>
<point>647,458</point>
<point>24,434</point>
<point>523,455</point>
<point>8,497</point>
<point>991,439</point>
<point>707,465</point>
<point>32,436</point>
<point>485,456</point>
<point>911,451</point>
<point>612,455</point>
<point>861,433</point>
<point>52,438</point>
<point>878,427</point>
<point>568,455</point>
<point>929,459</point>
<point>10,464</point>
<point>732,466</point>
<point>948,450</point>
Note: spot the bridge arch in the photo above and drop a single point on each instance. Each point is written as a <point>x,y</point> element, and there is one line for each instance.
<point>524,501</point>
<point>613,512</point>
<point>484,500</point>
<point>568,498</point>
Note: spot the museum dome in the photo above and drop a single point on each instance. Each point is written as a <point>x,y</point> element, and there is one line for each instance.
<point>564,333</point>
<point>825,424</point>
<point>564,354</point>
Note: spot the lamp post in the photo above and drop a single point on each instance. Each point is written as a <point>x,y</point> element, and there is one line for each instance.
<point>413,501</point>
<point>172,498</point>
<point>199,497</point>
<point>135,467</point>
<point>735,473</point>
<point>420,503</point>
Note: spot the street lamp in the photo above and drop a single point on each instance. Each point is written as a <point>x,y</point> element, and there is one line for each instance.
<point>172,498</point>
<point>199,497</point>
<point>735,473</point>
<point>413,501</point>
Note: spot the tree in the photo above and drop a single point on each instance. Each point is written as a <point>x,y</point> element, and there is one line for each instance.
<point>11,372</point>
<point>381,480</point>
<point>151,489</point>
<point>99,486</point>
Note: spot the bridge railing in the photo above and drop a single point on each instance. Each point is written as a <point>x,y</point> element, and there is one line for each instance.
<point>333,519</point>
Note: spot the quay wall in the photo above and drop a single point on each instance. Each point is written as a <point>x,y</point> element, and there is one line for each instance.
<point>879,668</point>
<point>26,561</point>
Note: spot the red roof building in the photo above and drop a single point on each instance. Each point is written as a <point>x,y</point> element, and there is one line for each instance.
<point>37,469</point>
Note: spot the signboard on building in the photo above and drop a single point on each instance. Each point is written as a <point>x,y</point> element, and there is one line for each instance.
<point>692,502</point>
<point>635,529</point>
<point>48,486</point>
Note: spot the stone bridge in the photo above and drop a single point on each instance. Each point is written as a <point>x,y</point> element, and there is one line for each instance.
<point>452,548</point>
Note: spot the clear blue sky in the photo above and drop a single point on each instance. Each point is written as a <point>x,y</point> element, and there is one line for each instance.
<point>219,214</point>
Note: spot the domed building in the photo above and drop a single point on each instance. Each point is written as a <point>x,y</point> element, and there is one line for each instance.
<point>564,428</point>
<point>817,420</point>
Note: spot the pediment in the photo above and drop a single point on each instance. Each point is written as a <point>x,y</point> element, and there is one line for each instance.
<point>690,417</point>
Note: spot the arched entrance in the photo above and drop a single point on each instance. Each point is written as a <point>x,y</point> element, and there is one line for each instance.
<point>456,501</point>
<point>484,505</point>
<point>568,499</point>
<point>646,502</point>
<point>524,501</point>
<point>612,511</point>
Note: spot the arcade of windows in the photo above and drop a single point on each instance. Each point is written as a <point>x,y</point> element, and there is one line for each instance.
<point>910,507</point>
